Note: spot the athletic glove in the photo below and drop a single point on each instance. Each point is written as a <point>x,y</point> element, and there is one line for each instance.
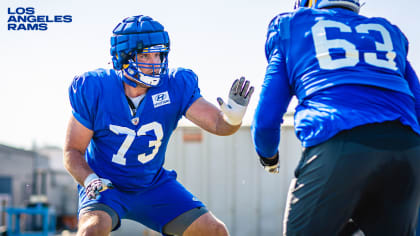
<point>239,96</point>
<point>94,185</point>
<point>271,165</point>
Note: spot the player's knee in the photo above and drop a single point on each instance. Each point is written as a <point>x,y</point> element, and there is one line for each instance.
<point>93,226</point>
<point>220,229</point>
<point>216,227</point>
<point>207,225</point>
<point>91,230</point>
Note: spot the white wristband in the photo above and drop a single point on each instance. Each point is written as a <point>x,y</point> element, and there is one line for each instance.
<point>90,178</point>
<point>233,112</point>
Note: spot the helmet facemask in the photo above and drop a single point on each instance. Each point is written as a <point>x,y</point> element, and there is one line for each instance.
<point>153,71</point>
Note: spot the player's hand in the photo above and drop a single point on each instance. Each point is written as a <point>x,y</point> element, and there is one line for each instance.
<point>94,185</point>
<point>271,165</point>
<point>239,96</point>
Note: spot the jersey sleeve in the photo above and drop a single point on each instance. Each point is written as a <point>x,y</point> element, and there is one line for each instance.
<point>414,84</point>
<point>278,31</point>
<point>274,98</point>
<point>83,97</point>
<point>188,83</point>
<point>411,77</point>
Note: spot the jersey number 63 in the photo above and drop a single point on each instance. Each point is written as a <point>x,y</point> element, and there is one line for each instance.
<point>351,58</point>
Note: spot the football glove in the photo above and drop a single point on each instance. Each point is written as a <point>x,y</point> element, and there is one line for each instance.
<point>239,96</point>
<point>271,165</point>
<point>94,185</point>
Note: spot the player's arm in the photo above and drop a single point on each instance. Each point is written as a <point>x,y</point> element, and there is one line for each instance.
<point>274,99</point>
<point>83,93</point>
<point>228,119</point>
<point>413,82</point>
<point>76,142</point>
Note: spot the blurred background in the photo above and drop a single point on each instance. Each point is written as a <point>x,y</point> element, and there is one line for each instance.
<point>223,172</point>
<point>219,40</point>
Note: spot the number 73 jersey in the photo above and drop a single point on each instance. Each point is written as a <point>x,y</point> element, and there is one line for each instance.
<point>325,48</point>
<point>128,147</point>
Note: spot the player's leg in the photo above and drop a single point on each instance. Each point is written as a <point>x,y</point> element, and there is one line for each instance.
<point>198,221</point>
<point>355,173</point>
<point>169,208</point>
<point>418,223</point>
<point>96,219</point>
<point>389,205</point>
<point>321,197</point>
<point>349,229</point>
<point>330,180</point>
<point>207,224</point>
<point>99,216</point>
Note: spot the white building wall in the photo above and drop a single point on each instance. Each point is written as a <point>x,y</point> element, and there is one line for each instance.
<point>224,173</point>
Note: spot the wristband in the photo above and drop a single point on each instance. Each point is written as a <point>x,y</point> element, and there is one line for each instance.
<point>90,178</point>
<point>269,162</point>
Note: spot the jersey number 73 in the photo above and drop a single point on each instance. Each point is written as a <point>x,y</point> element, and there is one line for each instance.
<point>156,127</point>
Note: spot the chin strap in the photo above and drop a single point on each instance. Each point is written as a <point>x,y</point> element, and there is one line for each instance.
<point>148,81</point>
<point>129,82</point>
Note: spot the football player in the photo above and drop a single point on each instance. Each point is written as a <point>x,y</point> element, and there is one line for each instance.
<point>121,122</point>
<point>357,119</point>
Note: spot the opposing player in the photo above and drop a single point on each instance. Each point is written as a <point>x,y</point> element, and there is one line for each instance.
<point>357,118</point>
<point>121,122</point>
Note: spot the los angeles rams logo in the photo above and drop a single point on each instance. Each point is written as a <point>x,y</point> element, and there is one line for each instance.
<point>135,121</point>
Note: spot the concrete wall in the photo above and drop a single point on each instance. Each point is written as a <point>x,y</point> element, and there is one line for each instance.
<point>20,165</point>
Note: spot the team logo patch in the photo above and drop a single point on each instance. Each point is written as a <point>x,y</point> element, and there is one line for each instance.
<point>135,121</point>
<point>161,99</point>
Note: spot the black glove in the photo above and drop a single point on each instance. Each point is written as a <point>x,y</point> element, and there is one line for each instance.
<point>271,165</point>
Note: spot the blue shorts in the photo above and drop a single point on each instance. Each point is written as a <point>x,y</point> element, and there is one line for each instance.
<point>154,207</point>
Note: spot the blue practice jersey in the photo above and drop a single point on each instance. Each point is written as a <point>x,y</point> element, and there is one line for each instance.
<point>130,149</point>
<point>345,69</point>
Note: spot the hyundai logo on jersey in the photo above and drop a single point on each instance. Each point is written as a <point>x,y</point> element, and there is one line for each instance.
<point>161,99</point>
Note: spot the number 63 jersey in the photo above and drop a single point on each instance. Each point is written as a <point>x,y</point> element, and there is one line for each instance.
<point>126,148</point>
<point>345,69</point>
